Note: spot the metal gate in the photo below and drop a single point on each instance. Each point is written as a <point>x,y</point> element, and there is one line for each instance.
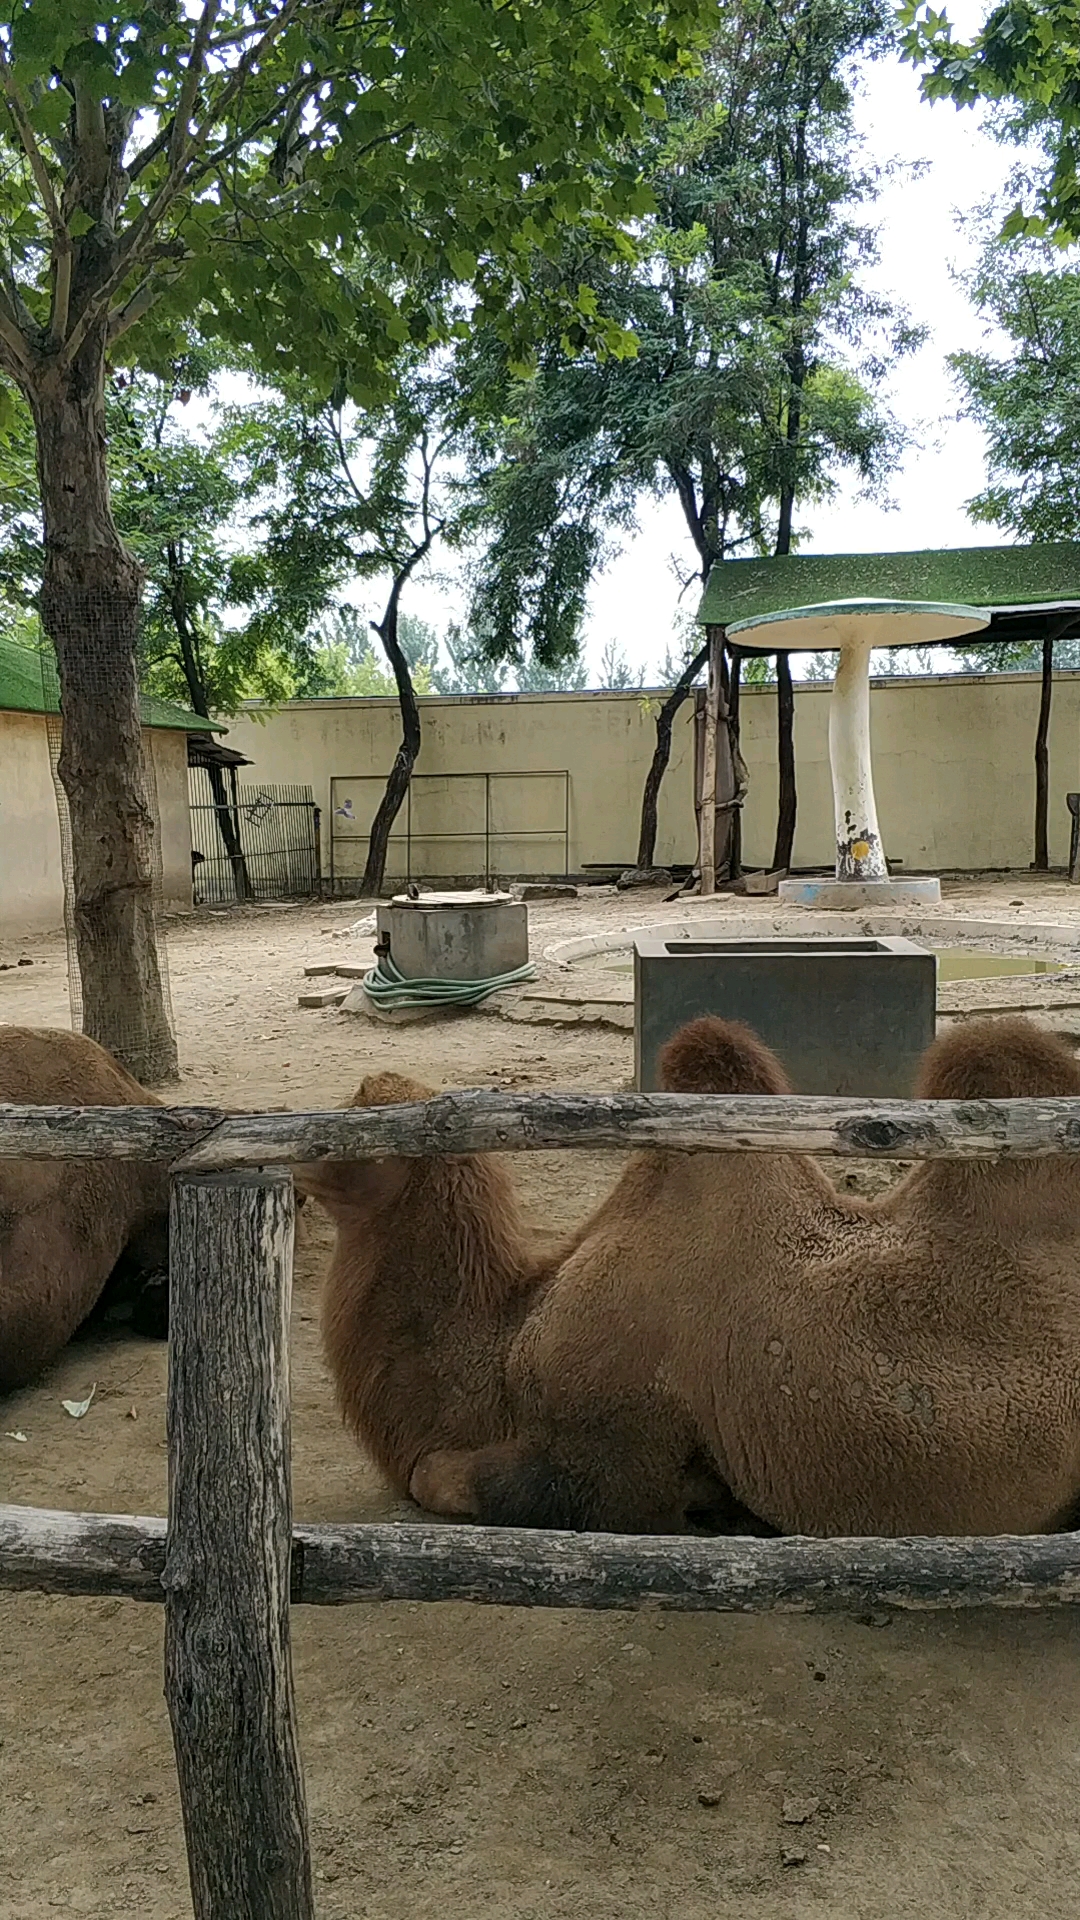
<point>252,842</point>
<point>462,826</point>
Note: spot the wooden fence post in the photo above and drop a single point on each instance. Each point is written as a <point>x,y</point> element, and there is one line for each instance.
<point>228,1674</point>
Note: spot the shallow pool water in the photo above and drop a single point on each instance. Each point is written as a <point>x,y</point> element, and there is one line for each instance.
<point>959,963</point>
<point>954,963</point>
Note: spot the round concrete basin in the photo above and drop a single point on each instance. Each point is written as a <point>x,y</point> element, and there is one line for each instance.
<point>853,628</point>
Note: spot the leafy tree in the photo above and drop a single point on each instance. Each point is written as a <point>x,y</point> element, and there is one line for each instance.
<point>533,677</point>
<point>1026,402</point>
<point>178,496</point>
<point>175,496</point>
<point>616,673</point>
<point>307,178</point>
<point>759,351</point>
<point>354,496</point>
<point>1025,59</point>
<point>468,671</point>
<point>345,660</point>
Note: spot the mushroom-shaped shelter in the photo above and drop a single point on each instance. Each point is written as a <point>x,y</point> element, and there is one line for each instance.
<point>853,628</point>
<point>1027,594</point>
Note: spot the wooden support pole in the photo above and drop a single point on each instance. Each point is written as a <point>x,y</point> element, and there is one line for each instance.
<point>480,1122</point>
<point>228,1675</point>
<point>97,1553</point>
<point>707,818</point>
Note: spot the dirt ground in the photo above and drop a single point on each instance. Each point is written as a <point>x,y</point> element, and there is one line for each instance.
<point>527,1766</point>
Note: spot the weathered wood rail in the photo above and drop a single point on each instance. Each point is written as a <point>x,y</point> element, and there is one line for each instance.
<point>228,1563</point>
<point>203,1140</point>
<point>331,1566</point>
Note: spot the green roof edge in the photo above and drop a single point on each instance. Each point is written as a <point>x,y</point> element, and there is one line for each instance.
<point>1043,574</point>
<point>24,688</point>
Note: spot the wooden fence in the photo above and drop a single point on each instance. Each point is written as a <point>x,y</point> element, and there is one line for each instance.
<point>229,1563</point>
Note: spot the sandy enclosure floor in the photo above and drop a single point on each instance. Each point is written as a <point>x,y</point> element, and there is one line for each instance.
<point>528,1766</point>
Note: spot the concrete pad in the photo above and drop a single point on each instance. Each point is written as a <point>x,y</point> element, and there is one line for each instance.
<point>860,894</point>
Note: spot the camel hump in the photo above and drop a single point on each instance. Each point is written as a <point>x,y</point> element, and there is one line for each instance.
<point>389,1090</point>
<point>51,1066</point>
<point>719,1056</point>
<point>1008,1059</point>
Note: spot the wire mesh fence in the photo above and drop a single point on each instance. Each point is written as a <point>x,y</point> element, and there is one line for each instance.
<point>126,1041</point>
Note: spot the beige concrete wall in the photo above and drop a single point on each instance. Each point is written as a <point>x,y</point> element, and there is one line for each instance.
<point>170,767</point>
<point>954,770</point>
<point>31,876</point>
<point>953,764</point>
<point>604,741</point>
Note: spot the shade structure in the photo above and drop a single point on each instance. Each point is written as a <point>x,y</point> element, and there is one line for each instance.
<point>853,628</point>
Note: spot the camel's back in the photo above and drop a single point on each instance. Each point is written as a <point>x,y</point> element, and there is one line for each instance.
<point>910,1376</point>
<point>50,1067</point>
<point>64,1223</point>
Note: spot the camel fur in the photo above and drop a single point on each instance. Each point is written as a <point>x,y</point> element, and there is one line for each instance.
<point>433,1274</point>
<point>66,1224</point>
<point>727,1336</point>
<point>908,1365</point>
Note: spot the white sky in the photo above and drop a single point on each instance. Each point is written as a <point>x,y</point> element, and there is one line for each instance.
<point>635,600</point>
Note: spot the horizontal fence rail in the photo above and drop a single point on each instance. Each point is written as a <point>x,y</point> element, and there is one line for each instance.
<point>90,1553</point>
<point>204,1139</point>
<point>229,1564</point>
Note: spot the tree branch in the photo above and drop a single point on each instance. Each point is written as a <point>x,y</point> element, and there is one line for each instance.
<point>182,117</point>
<point>139,304</point>
<point>14,331</point>
<point>183,151</point>
<point>334,417</point>
<point>63,254</point>
<point>12,339</point>
<point>149,154</point>
<point>29,144</point>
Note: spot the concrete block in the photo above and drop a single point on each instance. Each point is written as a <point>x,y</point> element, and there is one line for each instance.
<point>470,936</point>
<point>923,891</point>
<point>845,1017</point>
<point>322,997</point>
<point>759,882</point>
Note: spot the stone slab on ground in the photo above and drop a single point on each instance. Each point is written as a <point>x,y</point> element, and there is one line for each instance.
<point>566,1010</point>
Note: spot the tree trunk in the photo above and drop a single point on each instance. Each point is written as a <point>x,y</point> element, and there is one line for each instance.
<point>658,766</point>
<point>785,751</point>
<point>787,806</point>
<point>228,829</point>
<point>397,786</point>
<point>227,822</point>
<point>90,610</point>
<point>1042,760</point>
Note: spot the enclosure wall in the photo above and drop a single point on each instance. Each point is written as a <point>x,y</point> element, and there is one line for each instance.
<point>953,766</point>
<point>31,877</point>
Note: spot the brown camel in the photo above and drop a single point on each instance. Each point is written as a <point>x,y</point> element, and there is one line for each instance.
<point>910,1365</point>
<point>433,1274</point>
<point>66,1224</point>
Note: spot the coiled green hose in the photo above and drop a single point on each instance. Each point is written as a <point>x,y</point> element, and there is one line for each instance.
<point>388,988</point>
